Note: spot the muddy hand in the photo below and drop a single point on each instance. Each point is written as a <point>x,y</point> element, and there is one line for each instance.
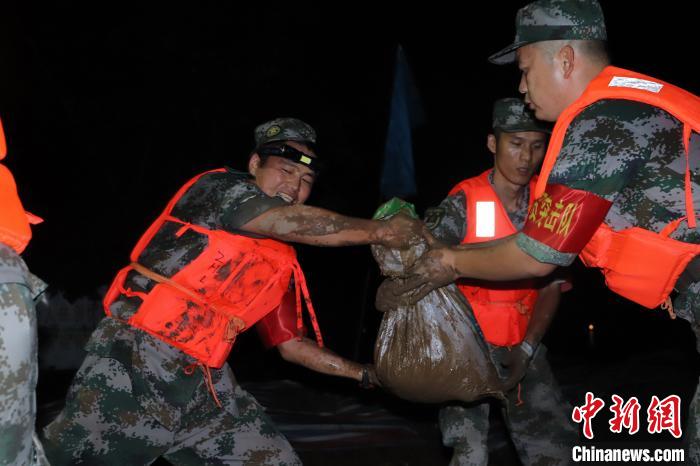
<point>517,361</point>
<point>401,232</point>
<point>373,379</point>
<point>387,299</point>
<point>369,377</point>
<point>433,270</point>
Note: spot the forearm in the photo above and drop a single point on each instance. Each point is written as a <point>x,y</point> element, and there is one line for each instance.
<point>543,313</point>
<point>315,226</point>
<point>502,260</point>
<point>307,353</point>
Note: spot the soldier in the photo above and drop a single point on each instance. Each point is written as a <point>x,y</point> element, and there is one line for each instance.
<point>18,329</point>
<point>212,265</point>
<point>490,206</point>
<point>619,171</point>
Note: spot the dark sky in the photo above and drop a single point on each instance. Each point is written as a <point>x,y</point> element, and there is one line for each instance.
<point>109,107</point>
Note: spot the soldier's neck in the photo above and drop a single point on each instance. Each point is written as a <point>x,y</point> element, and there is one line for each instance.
<point>511,195</point>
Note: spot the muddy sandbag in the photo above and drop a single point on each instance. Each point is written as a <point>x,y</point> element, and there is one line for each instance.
<point>432,351</point>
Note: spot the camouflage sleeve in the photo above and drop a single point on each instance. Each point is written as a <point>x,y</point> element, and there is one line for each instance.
<point>243,202</point>
<point>448,221</point>
<point>603,150</point>
<point>14,270</point>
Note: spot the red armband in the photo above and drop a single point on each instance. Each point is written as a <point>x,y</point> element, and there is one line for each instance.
<point>564,218</point>
<point>280,325</point>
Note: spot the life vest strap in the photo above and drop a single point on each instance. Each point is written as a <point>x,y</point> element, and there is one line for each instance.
<point>520,401</point>
<point>235,324</point>
<point>189,370</point>
<point>667,306</point>
<point>156,277</point>
<point>302,289</point>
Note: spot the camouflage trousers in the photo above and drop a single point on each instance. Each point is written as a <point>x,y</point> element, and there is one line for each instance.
<point>529,420</point>
<point>104,424</point>
<point>18,377</point>
<point>692,429</point>
<point>687,307</point>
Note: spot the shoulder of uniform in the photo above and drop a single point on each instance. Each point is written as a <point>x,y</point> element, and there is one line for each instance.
<point>618,109</point>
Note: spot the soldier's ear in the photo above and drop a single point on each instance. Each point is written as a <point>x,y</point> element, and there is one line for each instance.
<point>566,60</point>
<point>491,143</point>
<point>253,164</point>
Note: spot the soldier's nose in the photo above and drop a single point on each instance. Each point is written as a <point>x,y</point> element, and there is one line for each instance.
<point>522,86</point>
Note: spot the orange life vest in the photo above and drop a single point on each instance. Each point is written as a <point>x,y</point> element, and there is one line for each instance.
<point>231,285</point>
<point>640,265</point>
<point>14,220</point>
<point>503,314</point>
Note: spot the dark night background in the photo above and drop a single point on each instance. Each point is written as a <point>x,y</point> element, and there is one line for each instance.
<point>109,107</point>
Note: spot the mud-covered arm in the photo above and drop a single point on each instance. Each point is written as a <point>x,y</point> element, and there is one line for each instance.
<point>245,208</point>
<point>502,261</point>
<point>321,227</point>
<point>307,353</point>
<point>278,329</point>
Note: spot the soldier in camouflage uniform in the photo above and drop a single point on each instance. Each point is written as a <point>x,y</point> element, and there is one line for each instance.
<point>18,361</point>
<point>624,155</point>
<point>19,446</point>
<point>518,144</point>
<point>136,398</point>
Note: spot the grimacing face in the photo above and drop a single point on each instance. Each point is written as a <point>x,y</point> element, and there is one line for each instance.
<point>283,178</point>
<point>517,155</point>
<point>541,81</point>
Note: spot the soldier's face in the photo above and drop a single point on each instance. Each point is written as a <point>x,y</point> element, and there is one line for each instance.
<point>541,82</point>
<point>517,155</point>
<point>279,177</point>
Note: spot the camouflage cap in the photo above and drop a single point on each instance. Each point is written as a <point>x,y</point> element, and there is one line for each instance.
<point>554,20</point>
<point>511,115</point>
<point>284,129</point>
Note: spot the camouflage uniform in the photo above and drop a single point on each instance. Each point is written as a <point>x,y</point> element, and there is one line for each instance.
<point>537,403</point>
<point>135,397</point>
<point>627,152</point>
<point>632,155</point>
<point>18,361</point>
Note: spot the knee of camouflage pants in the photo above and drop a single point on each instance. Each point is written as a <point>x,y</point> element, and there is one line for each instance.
<point>218,436</point>
<point>465,428</point>
<point>101,422</point>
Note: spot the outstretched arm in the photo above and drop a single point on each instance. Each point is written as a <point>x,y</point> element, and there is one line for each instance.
<point>279,329</point>
<point>321,227</point>
<point>307,353</point>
